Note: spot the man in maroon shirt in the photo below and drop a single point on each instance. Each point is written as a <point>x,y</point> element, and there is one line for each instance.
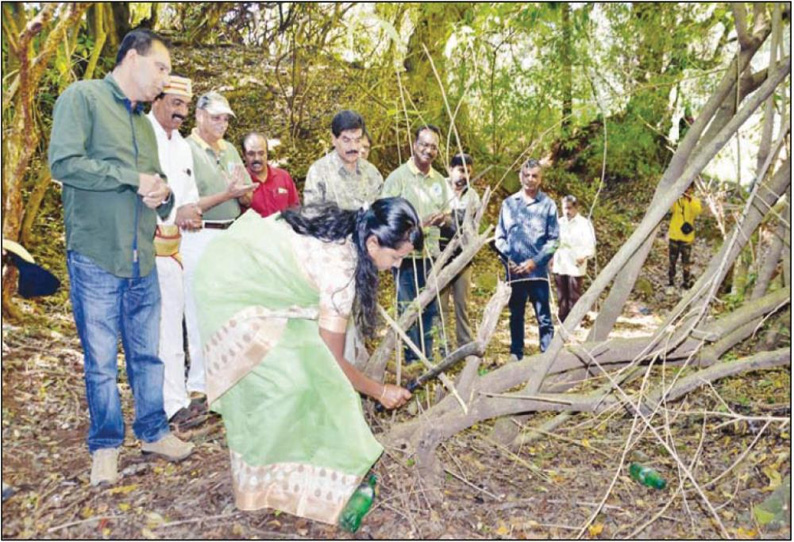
<point>276,190</point>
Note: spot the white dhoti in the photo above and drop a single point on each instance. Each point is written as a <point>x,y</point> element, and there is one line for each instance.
<point>193,246</point>
<point>171,350</point>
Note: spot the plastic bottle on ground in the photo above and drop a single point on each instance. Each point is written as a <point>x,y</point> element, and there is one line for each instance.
<point>358,505</point>
<point>646,476</point>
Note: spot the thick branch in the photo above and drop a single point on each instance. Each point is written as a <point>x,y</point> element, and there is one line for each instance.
<point>740,20</point>
<point>655,215</point>
<point>762,360</point>
<point>578,361</point>
<point>616,299</point>
<point>442,428</point>
<point>485,332</point>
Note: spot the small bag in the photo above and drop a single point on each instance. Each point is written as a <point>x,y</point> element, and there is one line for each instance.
<point>686,227</point>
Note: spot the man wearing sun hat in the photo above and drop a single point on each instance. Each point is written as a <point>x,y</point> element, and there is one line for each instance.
<point>223,183</point>
<point>169,110</point>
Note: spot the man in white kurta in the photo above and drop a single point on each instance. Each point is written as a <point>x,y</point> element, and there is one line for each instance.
<point>577,244</point>
<point>168,112</point>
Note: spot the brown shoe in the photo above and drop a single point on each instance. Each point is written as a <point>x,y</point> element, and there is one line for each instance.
<point>187,418</point>
<point>170,447</point>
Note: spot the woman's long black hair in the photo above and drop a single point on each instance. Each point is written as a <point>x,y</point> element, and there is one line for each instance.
<point>393,221</point>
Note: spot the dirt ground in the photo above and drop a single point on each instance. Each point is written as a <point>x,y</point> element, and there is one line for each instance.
<point>548,488</point>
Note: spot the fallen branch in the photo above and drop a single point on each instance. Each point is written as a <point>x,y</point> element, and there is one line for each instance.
<point>442,377</point>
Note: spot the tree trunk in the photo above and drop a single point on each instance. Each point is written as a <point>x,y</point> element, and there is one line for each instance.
<point>624,284</point>
<point>769,107</point>
<point>22,139</point>
<point>530,398</point>
<point>33,205</point>
<point>567,70</point>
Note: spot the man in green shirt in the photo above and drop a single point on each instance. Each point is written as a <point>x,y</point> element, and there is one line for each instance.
<point>431,196</point>
<point>223,183</point>
<point>103,150</point>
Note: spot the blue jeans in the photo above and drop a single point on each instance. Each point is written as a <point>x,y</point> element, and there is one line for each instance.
<point>537,291</point>
<point>408,282</point>
<point>105,305</point>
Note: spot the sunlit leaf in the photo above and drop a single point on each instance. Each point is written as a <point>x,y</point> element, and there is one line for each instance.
<point>595,529</point>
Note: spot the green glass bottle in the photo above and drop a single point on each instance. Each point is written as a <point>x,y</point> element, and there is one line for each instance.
<point>358,505</point>
<point>646,476</point>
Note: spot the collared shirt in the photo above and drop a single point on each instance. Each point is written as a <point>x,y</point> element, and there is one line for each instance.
<point>212,169</point>
<point>459,205</point>
<point>577,240</point>
<point>460,202</point>
<point>98,147</point>
<point>176,160</point>
<point>276,193</point>
<point>684,210</point>
<point>429,194</point>
<point>329,180</point>
<point>528,229</point>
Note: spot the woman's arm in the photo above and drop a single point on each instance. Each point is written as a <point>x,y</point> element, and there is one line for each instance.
<point>389,395</point>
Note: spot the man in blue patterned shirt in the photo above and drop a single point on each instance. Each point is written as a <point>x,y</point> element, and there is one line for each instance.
<point>526,237</point>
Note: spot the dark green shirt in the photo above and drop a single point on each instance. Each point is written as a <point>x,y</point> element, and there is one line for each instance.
<point>97,149</point>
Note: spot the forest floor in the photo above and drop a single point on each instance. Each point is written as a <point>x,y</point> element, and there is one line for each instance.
<point>546,489</point>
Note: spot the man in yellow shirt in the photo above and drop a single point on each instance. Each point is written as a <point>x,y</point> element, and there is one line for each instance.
<point>681,236</point>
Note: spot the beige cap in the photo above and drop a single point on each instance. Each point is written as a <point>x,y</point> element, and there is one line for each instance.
<point>214,104</point>
<point>180,86</point>
<point>17,249</point>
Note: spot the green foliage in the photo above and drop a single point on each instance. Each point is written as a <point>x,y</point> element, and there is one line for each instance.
<point>506,69</point>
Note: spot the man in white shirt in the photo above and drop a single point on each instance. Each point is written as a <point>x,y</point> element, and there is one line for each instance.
<point>169,110</point>
<point>577,244</point>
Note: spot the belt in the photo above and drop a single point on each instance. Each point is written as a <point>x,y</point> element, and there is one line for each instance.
<point>218,225</point>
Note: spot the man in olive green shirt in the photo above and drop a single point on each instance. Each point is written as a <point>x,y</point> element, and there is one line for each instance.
<point>431,196</point>
<point>103,150</point>
<point>222,183</point>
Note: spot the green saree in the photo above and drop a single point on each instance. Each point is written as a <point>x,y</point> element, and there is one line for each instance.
<point>296,432</point>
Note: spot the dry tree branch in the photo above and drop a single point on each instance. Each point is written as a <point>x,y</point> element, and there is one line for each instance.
<point>687,472</point>
<point>407,340</point>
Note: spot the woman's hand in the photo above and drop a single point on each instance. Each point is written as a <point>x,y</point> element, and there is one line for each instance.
<point>393,396</point>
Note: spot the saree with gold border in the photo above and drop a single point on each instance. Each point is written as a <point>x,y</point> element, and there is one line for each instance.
<point>296,432</point>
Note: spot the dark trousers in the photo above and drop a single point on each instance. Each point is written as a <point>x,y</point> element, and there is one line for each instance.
<point>537,291</point>
<point>569,290</point>
<point>685,250</point>
<point>410,281</point>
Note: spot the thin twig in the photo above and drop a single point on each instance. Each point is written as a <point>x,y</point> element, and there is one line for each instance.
<point>80,522</point>
<point>638,411</point>
<point>462,479</point>
<point>196,520</point>
<point>740,458</point>
<point>531,397</point>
